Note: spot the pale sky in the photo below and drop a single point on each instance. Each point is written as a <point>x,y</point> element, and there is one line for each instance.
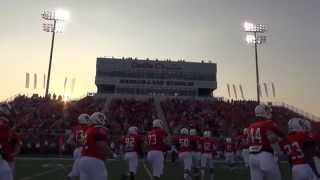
<point>176,29</point>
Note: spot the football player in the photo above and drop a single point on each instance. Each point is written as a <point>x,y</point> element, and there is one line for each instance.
<point>196,151</point>
<point>78,138</point>
<point>317,156</point>
<point>5,170</point>
<point>95,150</point>
<point>229,151</point>
<point>208,152</point>
<point>13,147</point>
<point>132,147</point>
<point>244,147</point>
<point>183,144</point>
<point>261,160</point>
<point>300,146</point>
<point>156,141</point>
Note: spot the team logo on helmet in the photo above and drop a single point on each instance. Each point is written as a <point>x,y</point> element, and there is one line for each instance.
<point>184,131</point>
<point>157,123</point>
<point>98,118</point>
<point>207,134</point>
<point>84,119</point>
<point>193,132</point>
<point>133,130</point>
<point>263,111</point>
<point>299,124</point>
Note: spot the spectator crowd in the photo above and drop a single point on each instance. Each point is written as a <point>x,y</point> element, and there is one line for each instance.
<point>44,124</point>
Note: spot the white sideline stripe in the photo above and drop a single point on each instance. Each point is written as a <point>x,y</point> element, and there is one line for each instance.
<point>51,159</point>
<point>71,159</point>
<point>148,171</point>
<point>41,159</point>
<point>44,173</point>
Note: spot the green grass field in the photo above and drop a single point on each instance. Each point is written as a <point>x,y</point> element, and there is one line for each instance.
<point>57,169</point>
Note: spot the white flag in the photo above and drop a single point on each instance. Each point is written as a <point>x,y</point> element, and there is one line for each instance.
<point>235,91</point>
<point>27,80</point>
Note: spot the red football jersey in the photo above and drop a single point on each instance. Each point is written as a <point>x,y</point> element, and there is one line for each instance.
<point>79,133</point>
<point>317,137</point>
<point>13,140</point>
<point>4,138</point>
<point>197,141</point>
<point>257,135</point>
<point>92,136</point>
<point>155,139</point>
<point>229,147</point>
<point>293,146</point>
<point>184,142</point>
<point>132,143</point>
<point>208,145</point>
<point>243,144</point>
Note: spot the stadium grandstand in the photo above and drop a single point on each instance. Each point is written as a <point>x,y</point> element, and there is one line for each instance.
<point>142,77</point>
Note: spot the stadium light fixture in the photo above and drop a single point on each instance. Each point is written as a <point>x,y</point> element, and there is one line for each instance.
<point>54,22</point>
<point>254,37</point>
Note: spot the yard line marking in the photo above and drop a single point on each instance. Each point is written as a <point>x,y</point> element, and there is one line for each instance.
<point>44,173</point>
<point>147,170</point>
<point>51,159</point>
<point>41,159</point>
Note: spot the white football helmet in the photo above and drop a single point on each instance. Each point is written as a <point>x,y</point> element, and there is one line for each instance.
<point>207,134</point>
<point>98,118</point>
<point>263,111</point>
<point>133,130</point>
<point>84,119</point>
<point>228,140</point>
<point>157,123</point>
<point>5,109</point>
<point>299,124</point>
<point>184,131</point>
<point>193,132</point>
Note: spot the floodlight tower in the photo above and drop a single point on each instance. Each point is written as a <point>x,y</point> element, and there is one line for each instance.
<point>254,37</point>
<point>53,22</point>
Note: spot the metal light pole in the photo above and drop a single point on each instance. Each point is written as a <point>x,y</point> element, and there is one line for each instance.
<point>254,38</point>
<point>54,22</point>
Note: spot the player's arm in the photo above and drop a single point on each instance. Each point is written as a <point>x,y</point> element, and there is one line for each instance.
<point>102,144</point>
<point>71,138</point>
<point>309,150</point>
<point>167,138</point>
<point>275,129</point>
<point>17,144</point>
<point>122,144</point>
<point>141,146</point>
<point>174,142</point>
<point>193,144</point>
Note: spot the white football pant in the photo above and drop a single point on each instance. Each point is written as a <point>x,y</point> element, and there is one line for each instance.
<point>156,160</point>
<point>92,169</point>
<point>317,163</point>
<point>229,157</point>
<point>302,172</point>
<point>5,170</point>
<point>12,166</point>
<point>206,161</point>
<point>132,160</point>
<point>263,167</point>
<point>245,156</point>
<point>75,167</point>
<point>196,159</point>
